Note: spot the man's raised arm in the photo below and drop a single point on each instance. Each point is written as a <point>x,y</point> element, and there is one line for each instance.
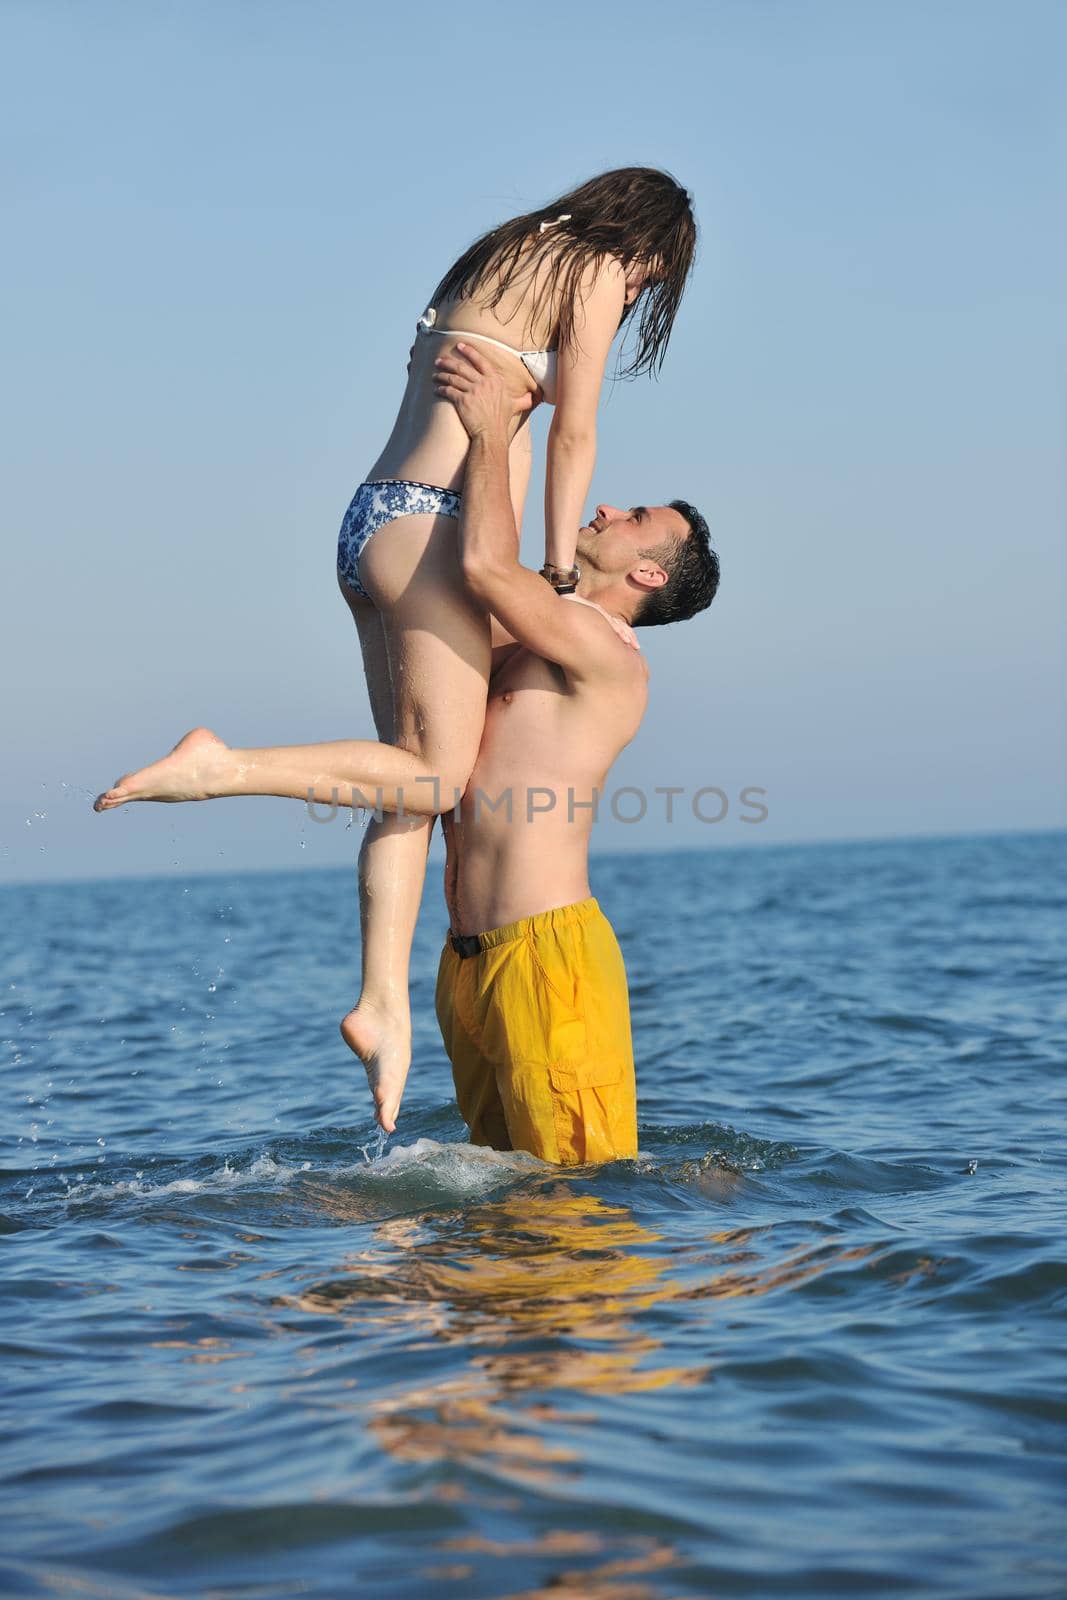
<point>575,636</point>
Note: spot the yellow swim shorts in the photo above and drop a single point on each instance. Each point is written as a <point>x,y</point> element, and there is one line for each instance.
<point>536,1022</point>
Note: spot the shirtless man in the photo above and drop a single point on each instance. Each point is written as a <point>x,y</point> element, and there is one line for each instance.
<point>531,992</point>
<point>534,1012</point>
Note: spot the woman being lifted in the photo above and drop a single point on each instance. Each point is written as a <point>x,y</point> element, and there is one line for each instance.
<point>544,296</point>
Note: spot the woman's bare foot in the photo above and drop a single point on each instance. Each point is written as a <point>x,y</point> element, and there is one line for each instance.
<point>383,1044</point>
<point>191,772</point>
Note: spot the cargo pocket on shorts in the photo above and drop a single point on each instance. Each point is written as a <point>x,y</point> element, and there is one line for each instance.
<point>560,1032</point>
<point>591,1112</point>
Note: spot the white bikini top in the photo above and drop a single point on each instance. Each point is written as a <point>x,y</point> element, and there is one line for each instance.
<point>540,364</point>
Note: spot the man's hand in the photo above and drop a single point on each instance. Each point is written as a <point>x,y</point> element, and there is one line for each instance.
<point>483,400</point>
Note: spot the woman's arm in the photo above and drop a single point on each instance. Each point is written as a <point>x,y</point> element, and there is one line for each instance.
<point>520,461</point>
<point>572,436</point>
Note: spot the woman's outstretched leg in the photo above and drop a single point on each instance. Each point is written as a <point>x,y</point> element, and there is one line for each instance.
<point>347,772</point>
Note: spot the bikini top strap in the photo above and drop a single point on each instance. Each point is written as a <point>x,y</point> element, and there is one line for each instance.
<point>426,322</point>
<point>564,216</point>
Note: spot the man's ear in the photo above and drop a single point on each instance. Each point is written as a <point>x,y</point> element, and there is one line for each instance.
<point>648,574</point>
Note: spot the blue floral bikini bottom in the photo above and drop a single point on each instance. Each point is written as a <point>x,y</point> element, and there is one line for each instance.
<point>375,504</point>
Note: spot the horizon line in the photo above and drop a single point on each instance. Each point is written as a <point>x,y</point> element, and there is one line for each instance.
<point>833,841</point>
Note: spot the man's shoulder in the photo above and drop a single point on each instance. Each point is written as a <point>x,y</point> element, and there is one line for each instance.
<point>612,642</point>
<point>615,671</point>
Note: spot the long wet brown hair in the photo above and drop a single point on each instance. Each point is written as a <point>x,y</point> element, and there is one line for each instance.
<point>631,213</point>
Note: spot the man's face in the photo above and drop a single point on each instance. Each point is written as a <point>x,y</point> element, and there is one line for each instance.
<point>614,541</point>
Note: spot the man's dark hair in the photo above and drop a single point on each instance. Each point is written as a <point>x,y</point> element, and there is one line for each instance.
<point>692,569</point>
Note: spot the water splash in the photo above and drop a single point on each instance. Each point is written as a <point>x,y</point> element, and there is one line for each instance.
<point>379,1148</point>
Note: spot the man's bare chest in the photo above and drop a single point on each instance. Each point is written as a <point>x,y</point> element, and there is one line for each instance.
<point>522,678</point>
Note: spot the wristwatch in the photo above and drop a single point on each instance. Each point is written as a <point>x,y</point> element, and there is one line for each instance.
<point>563,579</point>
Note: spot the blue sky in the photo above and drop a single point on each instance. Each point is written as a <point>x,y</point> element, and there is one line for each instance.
<point>223,220</point>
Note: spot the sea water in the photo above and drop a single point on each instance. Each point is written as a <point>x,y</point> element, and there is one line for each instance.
<point>810,1342</point>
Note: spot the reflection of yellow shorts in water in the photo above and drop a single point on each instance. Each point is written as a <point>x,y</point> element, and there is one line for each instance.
<point>536,1021</point>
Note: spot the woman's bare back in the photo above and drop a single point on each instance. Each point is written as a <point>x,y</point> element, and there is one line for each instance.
<point>428,443</point>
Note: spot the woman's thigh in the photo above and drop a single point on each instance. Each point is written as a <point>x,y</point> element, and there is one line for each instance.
<point>437,641</point>
<point>371,631</point>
